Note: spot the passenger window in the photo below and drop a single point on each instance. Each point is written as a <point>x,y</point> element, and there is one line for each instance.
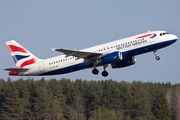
<point>164,33</point>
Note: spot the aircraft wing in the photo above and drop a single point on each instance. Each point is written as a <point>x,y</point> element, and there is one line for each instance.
<point>79,54</point>
<point>17,69</point>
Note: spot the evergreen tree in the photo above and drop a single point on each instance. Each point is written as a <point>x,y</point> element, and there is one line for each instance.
<point>127,117</point>
<point>57,104</point>
<point>162,110</point>
<point>86,100</point>
<point>41,101</point>
<point>32,87</point>
<point>111,97</point>
<point>9,104</point>
<point>23,99</point>
<point>55,110</point>
<point>139,104</point>
<point>119,115</point>
<point>125,96</point>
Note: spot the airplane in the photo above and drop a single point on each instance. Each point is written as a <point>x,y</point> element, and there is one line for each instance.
<point>119,53</point>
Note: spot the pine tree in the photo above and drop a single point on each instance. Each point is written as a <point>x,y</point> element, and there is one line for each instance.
<point>41,101</point>
<point>139,104</point>
<point>9,104</point>
<point>33,96</point>
<point>127,117</point>
<point>162,110</point>
<point>57,104</point>
<point>23,99</point>
<point>125,96</point>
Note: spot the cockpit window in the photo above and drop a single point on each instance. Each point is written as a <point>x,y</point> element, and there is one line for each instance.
<point>163,33</point>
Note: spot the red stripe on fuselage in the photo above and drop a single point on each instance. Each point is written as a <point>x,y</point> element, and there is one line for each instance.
<point>145,36</point>
<point>28,62</point>
<point>13,48</point>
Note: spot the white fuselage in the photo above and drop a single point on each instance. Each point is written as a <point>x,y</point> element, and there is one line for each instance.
<point>130,46</point>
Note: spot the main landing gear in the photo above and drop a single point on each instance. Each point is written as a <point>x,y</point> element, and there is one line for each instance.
<point>105,73</point>
<point>95,71</point>
<point>155,53</point>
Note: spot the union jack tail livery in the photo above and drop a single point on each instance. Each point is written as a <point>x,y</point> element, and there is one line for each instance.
<point>21,56</point>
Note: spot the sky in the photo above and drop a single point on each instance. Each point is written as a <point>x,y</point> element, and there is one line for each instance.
<point>44,24</point>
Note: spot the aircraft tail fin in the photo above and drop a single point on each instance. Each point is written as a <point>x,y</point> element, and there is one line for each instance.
<point>21,56</point>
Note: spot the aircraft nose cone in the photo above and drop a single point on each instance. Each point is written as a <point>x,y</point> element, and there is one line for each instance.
<point>175,37</point>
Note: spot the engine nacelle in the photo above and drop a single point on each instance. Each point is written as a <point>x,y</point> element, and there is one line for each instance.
<point>124,63</point>
<point>111,57</point>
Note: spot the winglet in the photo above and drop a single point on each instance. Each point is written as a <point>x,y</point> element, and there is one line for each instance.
<point>53,50</point>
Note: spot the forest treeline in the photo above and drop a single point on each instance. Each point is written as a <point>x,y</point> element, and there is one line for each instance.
<point>88,100</point>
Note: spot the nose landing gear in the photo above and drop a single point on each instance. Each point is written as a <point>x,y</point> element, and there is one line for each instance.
<point>157,57</point>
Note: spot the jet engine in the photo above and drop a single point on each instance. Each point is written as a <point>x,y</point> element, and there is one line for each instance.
<point>124,63</point>
<point>111,57</point>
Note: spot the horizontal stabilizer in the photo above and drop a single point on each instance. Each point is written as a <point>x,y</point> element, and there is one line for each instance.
<point>17,69</point>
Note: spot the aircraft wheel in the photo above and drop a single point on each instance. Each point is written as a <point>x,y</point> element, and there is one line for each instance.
<point>105,73</point>
<point>95,71</point>
<point>157,58</point>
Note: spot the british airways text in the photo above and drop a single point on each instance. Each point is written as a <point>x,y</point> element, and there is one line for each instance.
<point>134,43</point>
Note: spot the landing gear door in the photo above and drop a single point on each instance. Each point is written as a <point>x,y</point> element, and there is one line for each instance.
<point>41,66</point>
<point>120,55</point>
